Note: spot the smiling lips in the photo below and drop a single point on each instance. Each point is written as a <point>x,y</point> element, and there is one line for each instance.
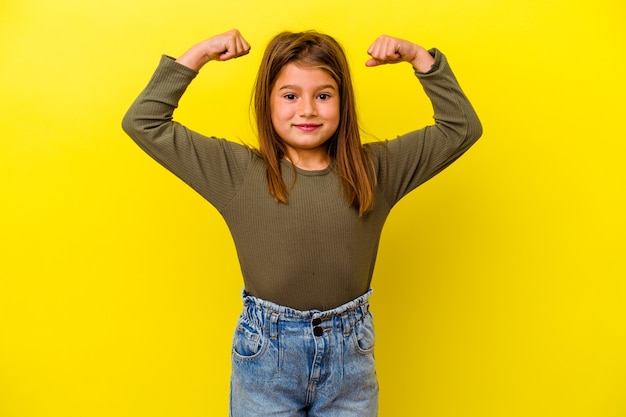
<point>307,127</point>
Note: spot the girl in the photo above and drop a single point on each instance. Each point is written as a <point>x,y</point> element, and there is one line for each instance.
<point>305,210</point>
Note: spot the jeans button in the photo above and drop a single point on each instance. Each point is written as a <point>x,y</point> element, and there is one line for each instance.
<point>318,331</point>
<point>317,321</point>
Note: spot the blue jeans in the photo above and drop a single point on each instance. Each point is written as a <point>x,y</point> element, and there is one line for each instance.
<point>290,363</point>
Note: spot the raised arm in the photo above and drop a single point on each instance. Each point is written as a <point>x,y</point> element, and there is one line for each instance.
<point>213,167</point>
<point>413,158</point>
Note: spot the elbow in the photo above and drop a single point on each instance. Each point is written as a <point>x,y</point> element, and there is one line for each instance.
<point>129,126</point>
<point>464,133</point>
<point>476,130</point>
<point>473,128</point>
<point>135,128</point>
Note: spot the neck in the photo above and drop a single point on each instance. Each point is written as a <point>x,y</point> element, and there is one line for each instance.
<point>310,161</point>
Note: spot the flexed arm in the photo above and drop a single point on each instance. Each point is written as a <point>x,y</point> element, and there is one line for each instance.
<point>213,167</point>
<point>417,156</point>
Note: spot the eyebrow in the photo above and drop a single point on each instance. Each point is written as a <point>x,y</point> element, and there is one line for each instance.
<point>295,87</point>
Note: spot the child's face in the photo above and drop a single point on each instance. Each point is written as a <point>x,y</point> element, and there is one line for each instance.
<point>305,109</point>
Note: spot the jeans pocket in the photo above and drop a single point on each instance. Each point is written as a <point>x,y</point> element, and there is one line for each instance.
<point>248,341</point>
<point>364,335</point>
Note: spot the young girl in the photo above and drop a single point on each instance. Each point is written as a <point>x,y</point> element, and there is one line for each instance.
<point>305,210</point>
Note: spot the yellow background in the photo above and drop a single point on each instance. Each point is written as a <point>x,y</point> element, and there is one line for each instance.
<point>499,289</point>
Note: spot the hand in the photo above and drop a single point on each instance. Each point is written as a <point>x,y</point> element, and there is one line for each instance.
<point>389,50</point>
<point>222,47</point>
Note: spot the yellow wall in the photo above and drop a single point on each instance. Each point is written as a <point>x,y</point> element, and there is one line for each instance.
<point>499,289</point>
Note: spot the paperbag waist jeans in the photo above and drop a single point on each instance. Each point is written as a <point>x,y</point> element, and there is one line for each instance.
<point>291,363</point>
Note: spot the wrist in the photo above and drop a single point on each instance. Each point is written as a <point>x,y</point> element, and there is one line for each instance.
<point>195,58</point>
<point>423,61</point>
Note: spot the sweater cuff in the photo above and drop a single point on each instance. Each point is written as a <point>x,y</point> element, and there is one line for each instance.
<point>437,65</point>
<point>171,64</point>
<point>168,82</point>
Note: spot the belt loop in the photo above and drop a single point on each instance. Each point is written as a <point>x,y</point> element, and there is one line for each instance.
<point>365,308</point>
<point>346,322</point>
<point>274,325</point>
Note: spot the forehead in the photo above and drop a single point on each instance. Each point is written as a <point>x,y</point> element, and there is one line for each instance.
<point>299,76</point>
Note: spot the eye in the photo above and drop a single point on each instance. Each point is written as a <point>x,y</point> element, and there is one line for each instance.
<point>290,96</point>
<point>323,96</point>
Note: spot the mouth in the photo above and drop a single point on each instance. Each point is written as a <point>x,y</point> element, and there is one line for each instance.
<point>307,127</point>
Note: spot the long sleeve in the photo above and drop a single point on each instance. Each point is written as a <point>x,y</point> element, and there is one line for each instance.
<point>314,252</point>
<point>409,160</point>
<point>215,168</point>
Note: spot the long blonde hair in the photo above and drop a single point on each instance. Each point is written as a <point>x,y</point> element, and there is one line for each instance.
<point>313,49</point>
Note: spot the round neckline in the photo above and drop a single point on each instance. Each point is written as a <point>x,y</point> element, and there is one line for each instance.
<point>310,172</point>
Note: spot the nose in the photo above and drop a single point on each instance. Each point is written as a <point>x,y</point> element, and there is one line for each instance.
<point>307,108</point>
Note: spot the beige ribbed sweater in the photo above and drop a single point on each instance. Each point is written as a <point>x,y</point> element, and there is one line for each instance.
<point>313,253</point>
